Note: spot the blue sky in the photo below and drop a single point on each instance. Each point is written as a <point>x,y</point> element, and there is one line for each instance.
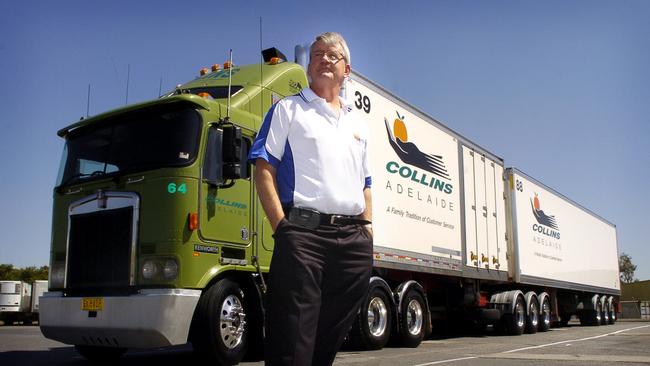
<point>559,89</point>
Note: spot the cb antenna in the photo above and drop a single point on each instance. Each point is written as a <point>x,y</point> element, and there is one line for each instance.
<point>229,85</point>
<point>88,103</point>
<point>261,75</point>
<point>128,77</point>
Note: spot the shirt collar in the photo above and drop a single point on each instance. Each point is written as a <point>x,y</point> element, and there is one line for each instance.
<point>310,96</point>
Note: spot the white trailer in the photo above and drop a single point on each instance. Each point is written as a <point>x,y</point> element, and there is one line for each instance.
<point>15,300</point>
<point>562,245</point>
<point>39,287</point>
<point>454,241</point>
<point>19,301</point>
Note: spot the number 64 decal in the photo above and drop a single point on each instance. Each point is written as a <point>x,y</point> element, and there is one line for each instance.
<point>173,188</point>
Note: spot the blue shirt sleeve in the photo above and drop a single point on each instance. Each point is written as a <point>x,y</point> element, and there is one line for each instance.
<point>271,139</point>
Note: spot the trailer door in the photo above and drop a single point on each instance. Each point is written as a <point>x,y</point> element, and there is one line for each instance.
<point>484,211</point>
<point>471,239</point>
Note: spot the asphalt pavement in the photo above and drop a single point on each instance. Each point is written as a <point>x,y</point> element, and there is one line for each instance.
<point>625,343</point>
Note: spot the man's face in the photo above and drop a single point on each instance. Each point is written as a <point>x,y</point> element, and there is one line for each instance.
<point>327,66</point>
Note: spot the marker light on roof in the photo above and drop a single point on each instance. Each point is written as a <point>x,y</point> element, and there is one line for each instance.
<point>216,67</point>
<point>204,71</point>
<point>227,65</point>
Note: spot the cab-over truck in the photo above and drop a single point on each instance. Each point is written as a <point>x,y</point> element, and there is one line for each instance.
<point>159,238</point>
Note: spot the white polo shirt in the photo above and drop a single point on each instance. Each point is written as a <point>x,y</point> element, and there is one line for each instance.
<point>321,159</point>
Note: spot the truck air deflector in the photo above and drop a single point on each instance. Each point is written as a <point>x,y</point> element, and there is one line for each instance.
<point>194,100</point>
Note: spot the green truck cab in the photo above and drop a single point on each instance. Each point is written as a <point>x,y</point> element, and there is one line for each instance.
<point>158,237</point>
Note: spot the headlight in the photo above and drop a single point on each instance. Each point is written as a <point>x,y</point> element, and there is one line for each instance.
<point>157,268</point>
<point>149,269</point>
<point>57,275</point>
<point>170,269</point>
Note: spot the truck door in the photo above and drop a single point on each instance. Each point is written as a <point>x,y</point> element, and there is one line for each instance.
<point>226,211</point>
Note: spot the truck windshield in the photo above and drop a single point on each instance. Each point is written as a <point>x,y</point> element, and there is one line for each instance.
<point>141,140</point>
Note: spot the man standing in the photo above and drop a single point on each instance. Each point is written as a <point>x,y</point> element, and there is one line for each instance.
<point>312,177</point>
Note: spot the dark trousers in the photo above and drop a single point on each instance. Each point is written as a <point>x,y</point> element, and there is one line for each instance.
<point>317,281</point>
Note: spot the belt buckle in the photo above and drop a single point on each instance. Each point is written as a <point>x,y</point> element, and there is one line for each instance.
<point>333,218</point>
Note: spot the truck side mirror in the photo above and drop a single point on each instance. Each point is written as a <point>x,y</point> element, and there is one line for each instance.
<point>226,154</point>
<point>232,152</point>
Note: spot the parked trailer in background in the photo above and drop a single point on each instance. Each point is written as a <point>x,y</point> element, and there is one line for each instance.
<point>159,237</point>
<point>15,300</point>
<point>38,289</point>
<point>19,301</point>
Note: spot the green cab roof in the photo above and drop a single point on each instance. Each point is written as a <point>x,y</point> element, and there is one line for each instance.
<point>243,75</point>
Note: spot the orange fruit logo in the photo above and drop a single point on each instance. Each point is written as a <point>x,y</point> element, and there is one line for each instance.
<point>399,128</point>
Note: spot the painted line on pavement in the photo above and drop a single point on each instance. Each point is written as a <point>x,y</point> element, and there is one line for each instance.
<point>575,340</point>
<point>532,347</point>
<point>445,361</point>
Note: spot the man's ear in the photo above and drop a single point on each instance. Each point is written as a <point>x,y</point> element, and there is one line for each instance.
<point>347,70</point>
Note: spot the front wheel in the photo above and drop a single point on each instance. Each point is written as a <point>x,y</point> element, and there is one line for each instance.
<point>412,319</point>
<point>372,326</point>
<point>221,332</point>
<point>100,354</point>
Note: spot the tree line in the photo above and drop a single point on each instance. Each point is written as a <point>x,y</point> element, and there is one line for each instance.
<point>28,274</point>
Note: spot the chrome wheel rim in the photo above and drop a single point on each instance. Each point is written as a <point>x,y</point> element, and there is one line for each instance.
<point>520,314</point>
<point>232,321</point>
<point>534,314</point>
<point>414,317</point>
<point>377,317</point>
<point>546,313</point>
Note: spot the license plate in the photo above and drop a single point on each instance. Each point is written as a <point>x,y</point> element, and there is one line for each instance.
<point>92,303</point>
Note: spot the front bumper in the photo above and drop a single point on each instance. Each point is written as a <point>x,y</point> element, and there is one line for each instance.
<point>152,318</point>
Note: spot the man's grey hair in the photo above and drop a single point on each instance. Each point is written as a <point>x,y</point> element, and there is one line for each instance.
<point>330,39</point>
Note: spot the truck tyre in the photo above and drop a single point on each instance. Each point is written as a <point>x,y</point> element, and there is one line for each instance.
<point>544,315</point>
<point>599,314</point>
<point>221,333</point>
<point>372,326</point>
<point>100,354</point>
<point>532,316</point>
<point>604,317</point>
<point>412,319</point>
<point>592,317</point>
<point>515,322</point>
<point>612,312</point>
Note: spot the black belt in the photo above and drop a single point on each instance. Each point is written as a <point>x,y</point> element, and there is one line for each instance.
<point>312,218</point>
